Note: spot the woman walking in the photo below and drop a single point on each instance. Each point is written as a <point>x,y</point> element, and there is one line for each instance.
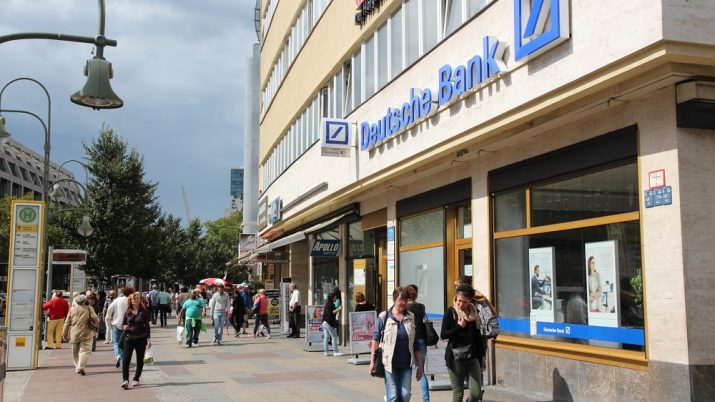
<point>261,308</point>
<point>237,311</point>
<point>80,328</point>
<point>137,337</point>
<point>330,322</point>
<point>465,352</point>
<point>418,310</point>
<point>400,351</point>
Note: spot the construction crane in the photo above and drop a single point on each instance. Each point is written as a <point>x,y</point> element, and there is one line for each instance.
<point>186,205</point>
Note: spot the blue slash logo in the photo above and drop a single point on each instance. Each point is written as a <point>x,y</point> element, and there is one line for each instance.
<point>539,25</point>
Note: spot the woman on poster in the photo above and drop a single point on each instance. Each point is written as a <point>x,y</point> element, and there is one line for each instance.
<point>594,286</point>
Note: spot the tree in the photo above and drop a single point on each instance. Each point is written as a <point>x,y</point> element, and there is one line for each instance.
<point>124,210</point>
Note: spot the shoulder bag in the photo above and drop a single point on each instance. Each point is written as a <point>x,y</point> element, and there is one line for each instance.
<point>378,367</point>
<point>432,337</point>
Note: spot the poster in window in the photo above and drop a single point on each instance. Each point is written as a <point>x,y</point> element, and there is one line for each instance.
<point>601,286</point>
<point>541,284</point>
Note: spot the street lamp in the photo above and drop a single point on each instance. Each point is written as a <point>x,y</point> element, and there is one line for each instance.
<point>97,92</point>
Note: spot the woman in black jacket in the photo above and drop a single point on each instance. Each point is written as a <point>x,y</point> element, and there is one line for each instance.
<point>464,354</point>
<point>237,310</point>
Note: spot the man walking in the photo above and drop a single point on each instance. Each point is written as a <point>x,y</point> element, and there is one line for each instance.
<point>58,309</point>
<point>154,302</point>
<point>164,300</point>
<point>294,311</point>
<point>219,307</point>
<point>116,312</point>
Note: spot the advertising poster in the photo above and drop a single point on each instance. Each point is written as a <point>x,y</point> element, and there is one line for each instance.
<point>274,305</point>
<point>246,243</point>
<point>601,272</point>
<point>541,284</point>
<point>313,324</point>
<point>362,327</point>
<point>285,304</point>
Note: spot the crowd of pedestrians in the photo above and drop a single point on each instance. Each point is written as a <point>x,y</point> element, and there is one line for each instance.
<point>401,334</point>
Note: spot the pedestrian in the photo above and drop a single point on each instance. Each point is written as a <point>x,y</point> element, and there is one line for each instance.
<point>361,304</point>
<point>191,317</point>
<point>116,312</point>
<point>137,337</point>
<point>219,306</point>
<point>92,303</point>
<point>418,310</point>
<point>79,329</point>
<point>294,311</point>
<point>111,295</point>
<point>57,308</point>
<point>164,300</point>
<point>154,303</point>
<point>330,323</point>
<point>464,354</point>
<point>261,308</point>
<point>238,309</point>
<point>398,339</point>
<point>183,296</point>
<point>248,306</point>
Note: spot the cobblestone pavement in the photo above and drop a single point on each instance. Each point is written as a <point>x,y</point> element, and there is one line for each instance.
<point>242,369</point>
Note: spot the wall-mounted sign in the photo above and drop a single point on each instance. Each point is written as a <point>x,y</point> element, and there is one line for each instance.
<point>365,8</point>
<point>658,197</point>
<point>335,136</point>
<point>274,211</point>
<point>263,213</point>
<point>77,257</point>
<point>325,248</point>
<point>656,179</point>
<point>539,25</point>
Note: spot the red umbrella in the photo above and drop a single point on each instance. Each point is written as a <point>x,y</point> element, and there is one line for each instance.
<point>216,282</point>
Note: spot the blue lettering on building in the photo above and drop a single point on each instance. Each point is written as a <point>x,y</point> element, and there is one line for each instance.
<point>396,119</point>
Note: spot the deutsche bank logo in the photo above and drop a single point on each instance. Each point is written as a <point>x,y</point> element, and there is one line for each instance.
<point>336,134</point>
<point>539,25</point>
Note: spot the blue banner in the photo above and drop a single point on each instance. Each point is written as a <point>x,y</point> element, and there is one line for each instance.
<point>631,336</point>
<point>325,248</point>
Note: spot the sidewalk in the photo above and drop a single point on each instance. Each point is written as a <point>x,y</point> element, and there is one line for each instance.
<point>242,369</point>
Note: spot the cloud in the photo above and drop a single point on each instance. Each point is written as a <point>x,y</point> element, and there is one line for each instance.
<point>179,67</point>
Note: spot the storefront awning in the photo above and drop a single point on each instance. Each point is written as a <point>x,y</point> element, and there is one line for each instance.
<point>298,236</point>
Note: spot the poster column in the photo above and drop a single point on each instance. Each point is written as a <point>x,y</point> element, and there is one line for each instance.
<point>23,292</point>
<point>285,305</point>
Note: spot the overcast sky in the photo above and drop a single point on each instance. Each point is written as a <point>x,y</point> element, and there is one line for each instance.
<point>179,67</point>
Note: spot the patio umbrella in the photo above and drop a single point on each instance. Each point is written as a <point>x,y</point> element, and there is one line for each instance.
<point>216,282</point>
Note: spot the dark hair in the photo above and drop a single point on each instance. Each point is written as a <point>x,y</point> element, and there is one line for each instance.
<point>466,291</point>
<point>161,288</point>
<point>400,293</point>
<point>412,291</point>
<point>336,293</point>
<point>127,290</point>
<point>184,289</point>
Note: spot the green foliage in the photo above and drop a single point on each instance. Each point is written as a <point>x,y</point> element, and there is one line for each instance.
<point>637,285</point>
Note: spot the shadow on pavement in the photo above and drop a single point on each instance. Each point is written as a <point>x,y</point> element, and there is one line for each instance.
<point>174,384</point>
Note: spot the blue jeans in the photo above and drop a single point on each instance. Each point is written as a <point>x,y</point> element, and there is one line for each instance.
<point>424,385</point>
<point>219,321</point>
<point>330,331</point>
<point>398,384</point>
<point>116,334</point>
<point>192,331</point>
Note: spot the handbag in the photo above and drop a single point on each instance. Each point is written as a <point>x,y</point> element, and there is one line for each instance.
<point>180,334</point>
<point>378,367</point>
<point>462,352</point>
<point>432,337</point>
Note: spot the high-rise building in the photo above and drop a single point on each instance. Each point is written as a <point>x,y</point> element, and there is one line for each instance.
<point>236,192</point>
<point>556,154</point>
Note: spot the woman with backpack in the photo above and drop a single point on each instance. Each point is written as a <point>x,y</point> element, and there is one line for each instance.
<point>465,351</point>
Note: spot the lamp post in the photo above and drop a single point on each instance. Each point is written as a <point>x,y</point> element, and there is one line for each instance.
<point>97,92</point>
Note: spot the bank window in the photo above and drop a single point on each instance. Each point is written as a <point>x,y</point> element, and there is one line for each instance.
<point>396,44</point>
<point>430,25</point>
<point>475,6</point>
<point>452,14</point>
<point>357,80</point>
<point>382,56</point>
<point>572,273</point>
<point>369,65</point>
<point>412,31</point>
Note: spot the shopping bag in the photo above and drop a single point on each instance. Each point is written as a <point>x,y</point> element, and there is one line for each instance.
<point>148,356</point>
<point>180,334</point>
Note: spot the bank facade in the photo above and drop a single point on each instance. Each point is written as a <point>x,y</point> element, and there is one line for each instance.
<point>559,153</point>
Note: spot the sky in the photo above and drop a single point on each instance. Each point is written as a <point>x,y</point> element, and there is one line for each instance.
<point>179,67</point>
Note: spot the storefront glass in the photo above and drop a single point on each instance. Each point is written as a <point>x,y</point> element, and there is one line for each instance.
<point>325,270</point>
<point>579,281</point>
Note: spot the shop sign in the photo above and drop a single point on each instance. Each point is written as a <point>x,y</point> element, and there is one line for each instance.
<point>335,135</point>
<point>658,197</point>
<point>263,213</point>
<point>538,26</point>
<point>365,8</point>
<point>325,248</point>
<point>274,211</point>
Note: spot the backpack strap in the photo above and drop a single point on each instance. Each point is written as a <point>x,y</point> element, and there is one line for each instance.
<point>384,322</point>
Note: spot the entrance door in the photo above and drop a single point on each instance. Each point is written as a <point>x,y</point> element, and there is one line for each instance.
<point>380,280</point>
<point>459,245</point>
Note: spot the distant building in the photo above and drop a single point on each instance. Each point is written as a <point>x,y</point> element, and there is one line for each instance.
<point>21,172</point>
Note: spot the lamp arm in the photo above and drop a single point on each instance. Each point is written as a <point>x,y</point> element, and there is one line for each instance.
<point>99,41</point>
<point>86,172</point>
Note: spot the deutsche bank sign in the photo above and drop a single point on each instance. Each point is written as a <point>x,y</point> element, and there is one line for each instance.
<point>531,19</point>
<point>538,26</point>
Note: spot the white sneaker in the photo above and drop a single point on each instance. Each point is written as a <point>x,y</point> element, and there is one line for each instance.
<point>196,345</point>
<point>125,384</point>
<point>336,354</point>
<point>135,383</point>
<point>187,346</point>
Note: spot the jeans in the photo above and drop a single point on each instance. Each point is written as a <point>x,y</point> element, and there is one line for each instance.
<point>129,347</point>
<point>116,334</point>
<point>462,369</point>
<point>154,313</point>
<point>398,384</point>
<point>219,321</point>
<point>424,385</point>
<point>193,331</point>
<point>330,332</point>
<point>261,319</point>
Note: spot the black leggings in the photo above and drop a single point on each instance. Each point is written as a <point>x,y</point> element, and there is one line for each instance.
<point>130,345</point>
